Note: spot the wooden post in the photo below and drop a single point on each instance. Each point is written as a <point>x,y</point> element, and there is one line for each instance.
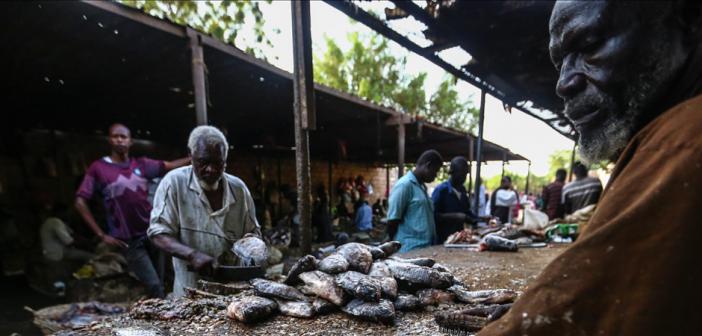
<point>479,150</point>
<point>329,198</point>
<point>504,161</point>
<point>470,163</point>
<point>400,150</point>
<point>526,187</point>
<point>303,88</point>
<point>198,70</point>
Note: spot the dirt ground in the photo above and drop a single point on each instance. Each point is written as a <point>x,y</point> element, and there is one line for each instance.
<point>478,270</point>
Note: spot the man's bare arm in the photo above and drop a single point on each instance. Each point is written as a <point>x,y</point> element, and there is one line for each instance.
<point>171,245</point>
<point>170,165</point>
<point>82,207</point>
<point>392,227</point>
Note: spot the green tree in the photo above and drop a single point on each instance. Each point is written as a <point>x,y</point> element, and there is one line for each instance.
<point>447,109</point>
<point>369,70</point>
<point>221,19</point>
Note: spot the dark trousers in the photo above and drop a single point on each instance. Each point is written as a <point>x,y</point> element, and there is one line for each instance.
<point>139,258</point>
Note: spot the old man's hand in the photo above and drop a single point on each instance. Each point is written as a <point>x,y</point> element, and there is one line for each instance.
<point>201,262</point>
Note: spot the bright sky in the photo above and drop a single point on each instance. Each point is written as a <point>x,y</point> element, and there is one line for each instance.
<point>516,131</point>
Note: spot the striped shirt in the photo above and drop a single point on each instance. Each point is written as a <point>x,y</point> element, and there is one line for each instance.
<point>581,193</point>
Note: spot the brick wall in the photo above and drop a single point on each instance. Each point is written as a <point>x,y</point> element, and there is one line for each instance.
<point>245,167</point>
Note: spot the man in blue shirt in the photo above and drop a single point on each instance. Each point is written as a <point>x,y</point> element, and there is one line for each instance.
<point>410,214</point>
<point>364,216</point>
<point>451,205</point>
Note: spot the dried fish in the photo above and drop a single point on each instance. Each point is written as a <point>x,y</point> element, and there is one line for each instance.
<point>390,247</point>
<point>379,270</point>
<point>452,321</point>
<point>405,302</point>
<point>251,251</point>
<point>295,308</point>
<point>388,286</point>
<point>333,264</point>
<point>250,309</point>
<point>418,275</point>
<point>433,297</point>
<point>441,268</point>
<point>376,252</point>
<point>322,285</point>
<point>492,312</point>
<point>492,296</point>
<point>304,264</point>
<point>359,285</point>
<point>275,290</point>
<point>382,311</point>
<point>358,255</point>
<point>322,306</point>
<point>427,262</point>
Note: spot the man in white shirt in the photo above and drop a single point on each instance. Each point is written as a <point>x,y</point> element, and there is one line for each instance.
<point>199,210</point>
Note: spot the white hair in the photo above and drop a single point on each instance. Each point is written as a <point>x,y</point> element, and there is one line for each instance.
<point>210,135</point>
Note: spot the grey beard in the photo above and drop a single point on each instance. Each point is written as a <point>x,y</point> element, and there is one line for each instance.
<point>623,122</point>
<point>208,187</point>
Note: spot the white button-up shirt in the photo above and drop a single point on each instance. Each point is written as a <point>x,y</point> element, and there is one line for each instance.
<point>182,210</point>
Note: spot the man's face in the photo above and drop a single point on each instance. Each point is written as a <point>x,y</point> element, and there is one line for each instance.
<point>506,183</point>
<point>208,163</point>
<point>613,66</point>
<point>458,174</point>
<point>431,171</point>
<point>120,139</point>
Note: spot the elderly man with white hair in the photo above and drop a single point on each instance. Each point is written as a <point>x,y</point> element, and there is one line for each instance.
<point>199,210</point>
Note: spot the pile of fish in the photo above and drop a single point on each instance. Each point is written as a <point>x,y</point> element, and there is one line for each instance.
<point>366,282</point>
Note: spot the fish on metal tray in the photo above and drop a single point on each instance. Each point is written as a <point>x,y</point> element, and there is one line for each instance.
<point>418,275</point>
<point>322,285</point>
<point>359,285</point>
<point>390,247</point>
<point>379,270</point>
<point>295,308</point>
<point>406,302</point>
<point>249,309</point>
<point>273,290</point>
<point>359,257</point>
<point>382,311</point>
<point>491,296</point>
<point>427,262</point>
<point>454,321</point>
<point>251,251</point>
<point>333,264</point>
<point>491,312</point>
<point>322,306</point>
<point>304,264</point>
<point>433,297</point>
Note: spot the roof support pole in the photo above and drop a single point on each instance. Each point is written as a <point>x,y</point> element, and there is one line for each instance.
<point>470,163</point>
<point>387,181</point>
<point>400,150</point>
<point>198,70</point>
<point>303,88</point>
<point>330,188</point>
<point>572,162</point>
<point>479,150</point>
<point>526,187</point>
<point>504,161</point>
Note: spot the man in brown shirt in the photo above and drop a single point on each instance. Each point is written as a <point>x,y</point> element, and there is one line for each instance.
<point>630,75</point>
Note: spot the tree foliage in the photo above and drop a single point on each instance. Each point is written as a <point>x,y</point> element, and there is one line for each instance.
<point>221,19</point>
<point>369,69</point>
<point>446,108</point>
